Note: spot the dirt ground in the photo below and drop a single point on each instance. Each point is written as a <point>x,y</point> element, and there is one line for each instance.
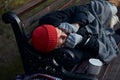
<point>10,61</point>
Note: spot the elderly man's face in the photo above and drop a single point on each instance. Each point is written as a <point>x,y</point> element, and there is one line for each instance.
<point>61,38</point>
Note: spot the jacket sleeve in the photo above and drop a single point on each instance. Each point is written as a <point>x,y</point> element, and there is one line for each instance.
<point>96,9</point>
<point>74,14</point>
<point>57,17</point>
<point>89,42</point>
<point>101,10</point>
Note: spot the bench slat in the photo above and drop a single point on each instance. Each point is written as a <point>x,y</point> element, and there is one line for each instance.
<point>28,6</point>
<point>66,5</point>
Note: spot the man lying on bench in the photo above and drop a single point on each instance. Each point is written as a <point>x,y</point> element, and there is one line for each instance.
<point>86,27</point>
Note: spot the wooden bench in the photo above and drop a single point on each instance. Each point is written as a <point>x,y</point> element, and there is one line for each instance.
<point>22,25</point>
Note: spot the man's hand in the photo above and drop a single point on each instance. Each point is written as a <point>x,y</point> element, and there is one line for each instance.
<point>114,21</point>
<point>73,39</point>
<point>115,2</point>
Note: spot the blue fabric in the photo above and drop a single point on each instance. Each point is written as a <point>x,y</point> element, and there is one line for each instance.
<point>68,27</point>
<point>73,39</point>
<point>108,48</point>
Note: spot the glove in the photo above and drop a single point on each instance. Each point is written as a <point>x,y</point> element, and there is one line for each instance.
<point>69,28</point>
<point>73,39</point>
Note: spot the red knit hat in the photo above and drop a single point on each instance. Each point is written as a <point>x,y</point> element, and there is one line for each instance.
<point>44,38</point>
